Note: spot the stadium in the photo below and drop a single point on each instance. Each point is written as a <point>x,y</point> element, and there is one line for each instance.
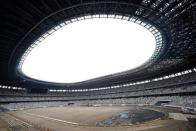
<point>110,65</point>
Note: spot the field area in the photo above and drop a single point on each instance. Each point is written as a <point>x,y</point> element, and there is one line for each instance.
<point>76,118</point>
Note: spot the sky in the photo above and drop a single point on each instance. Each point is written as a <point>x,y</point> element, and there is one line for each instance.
<point>88,49</point>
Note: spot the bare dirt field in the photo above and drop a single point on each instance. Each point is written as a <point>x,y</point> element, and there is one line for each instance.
<point>3,125</point>
<point>84,119</point>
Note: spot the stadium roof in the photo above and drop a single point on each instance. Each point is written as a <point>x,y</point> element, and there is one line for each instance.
<point>104,46</point>
<point>25,21</point>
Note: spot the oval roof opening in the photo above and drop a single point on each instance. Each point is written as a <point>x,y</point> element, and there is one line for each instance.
<point>89,49</point>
